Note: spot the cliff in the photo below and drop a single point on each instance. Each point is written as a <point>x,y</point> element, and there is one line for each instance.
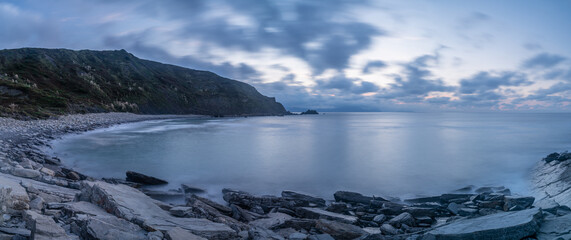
<point>39,83</point>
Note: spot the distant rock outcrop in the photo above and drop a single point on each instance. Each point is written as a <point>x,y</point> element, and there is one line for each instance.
<point>44,82</point>
<point>309,111</point>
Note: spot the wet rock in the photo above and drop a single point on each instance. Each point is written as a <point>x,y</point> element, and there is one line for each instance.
<point>435,199</point>
<point>339,230</point>
<point>390,208</point>
<point>177,233</point>
<point>310,200</point>
<point>223,209</point>
<point>130,204</point>
<point>143,179</point>
<point>454,208</point>
<point>248,201</point>
<point>403,218</point>
<point>297,224</point>
<point>352,197</point>
<point>180,211</point>
<point>316,213</point>
<point>505,225</point>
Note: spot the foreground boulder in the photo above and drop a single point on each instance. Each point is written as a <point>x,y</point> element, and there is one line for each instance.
<point>131,204</point>
<point>12,195</point>
<point>144,179</point>
<point>551,180</point>
<point>44,227</point>
<point>505,225</point>
<point>555,228</point>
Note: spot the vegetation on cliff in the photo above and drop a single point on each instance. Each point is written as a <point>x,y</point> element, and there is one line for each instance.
<point>39,83</point>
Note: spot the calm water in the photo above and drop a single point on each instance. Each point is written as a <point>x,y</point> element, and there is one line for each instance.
<point>396,154</point>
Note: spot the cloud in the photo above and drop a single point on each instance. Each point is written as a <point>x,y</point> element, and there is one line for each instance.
<point>543,60</point>
<point>532,46</point>
<point>484,82</point>
<point>472,21</point>
<point>347,85</point>
<point>374,65</point>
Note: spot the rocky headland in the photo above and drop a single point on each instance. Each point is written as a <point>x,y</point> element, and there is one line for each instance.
<point>42,199</point>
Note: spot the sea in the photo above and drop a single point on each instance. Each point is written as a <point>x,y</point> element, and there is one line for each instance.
<point>392,154</point>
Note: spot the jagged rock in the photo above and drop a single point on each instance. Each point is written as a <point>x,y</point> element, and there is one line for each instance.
<point>555,228</point>
<point>316,201</point>
<point>505,225</point>
<point>177,233</point>
<point>13,196</point>
<point>390,208</point>
<point>26,173</point>
<point>454,208</point>
<point>316,213</point>
<point>223,209</point>
<point>180,211</point>
<point>258,233</point>
<point>130,204</point>
<point>16,231</point>
<point>337,207</point>
<point>517,203</point>
<point>43,227</point>
<point>353,197</point>
<point>248,201</point>
<point>47,171</point>
<point>143,179</point>
<point>388,229</point>
<point>271,220</point>
<point>339,230</point>
<point>403,218</point>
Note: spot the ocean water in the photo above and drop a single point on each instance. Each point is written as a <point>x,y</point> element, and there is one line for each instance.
<point>383,154</point>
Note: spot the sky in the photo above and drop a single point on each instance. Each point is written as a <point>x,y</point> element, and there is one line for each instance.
<point>332,55</point>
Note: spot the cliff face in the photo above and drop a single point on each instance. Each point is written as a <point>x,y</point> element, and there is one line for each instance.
<point>44,82</point>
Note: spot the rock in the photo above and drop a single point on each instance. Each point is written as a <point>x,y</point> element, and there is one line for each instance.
<point>484,190</point>
<point>353,197</point>
<point>16,231</point>
<point>505,225</point>
<point>271,220</point>
<point>12,195</point>
<point>316,213</point>
<point>321,237</point>
<point>403,218</point>
<point>517,203</point>
<point>26,173</point>
<point>550,181</point>
<point>223,209</point>
<point>47,171</point>
<point>130,204</point>
<point>298,224</point>
<point>143,179</point>
<point>339,230</point>
<point>73,175</point>
<point>435,199</point>
<point>248,201</point>
<point>467,212</point>
<point>297,236</point>
<point>189,189</point>
<point>390,208</point>
<point>388,229</point>
<point>96,223</point>
<point>426,212</point>
<point>177,233</point>
<point>454,208</point>
<point>43,227</point>
<point>380,218</point>
<point>180,211</point>
<point>258,233</point>
<point>564,156</point>
<point>37,203</point>
<point>156,235</point>
<point>555,228</point>
<point>316,201</point>
<point>337,207</point>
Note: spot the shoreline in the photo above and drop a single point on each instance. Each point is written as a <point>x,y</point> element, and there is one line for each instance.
<point>22,156</point>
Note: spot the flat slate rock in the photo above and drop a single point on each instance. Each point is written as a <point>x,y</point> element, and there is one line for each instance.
<point>143,179</point>
<point>131,204</point>
<point>555,228</point>
<point>14,194</point>
<point>505,225</point>
<point>316,213</point>
<point>552,181</point>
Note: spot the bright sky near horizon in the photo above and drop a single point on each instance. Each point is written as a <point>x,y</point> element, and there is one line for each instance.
<point>334,55</point>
